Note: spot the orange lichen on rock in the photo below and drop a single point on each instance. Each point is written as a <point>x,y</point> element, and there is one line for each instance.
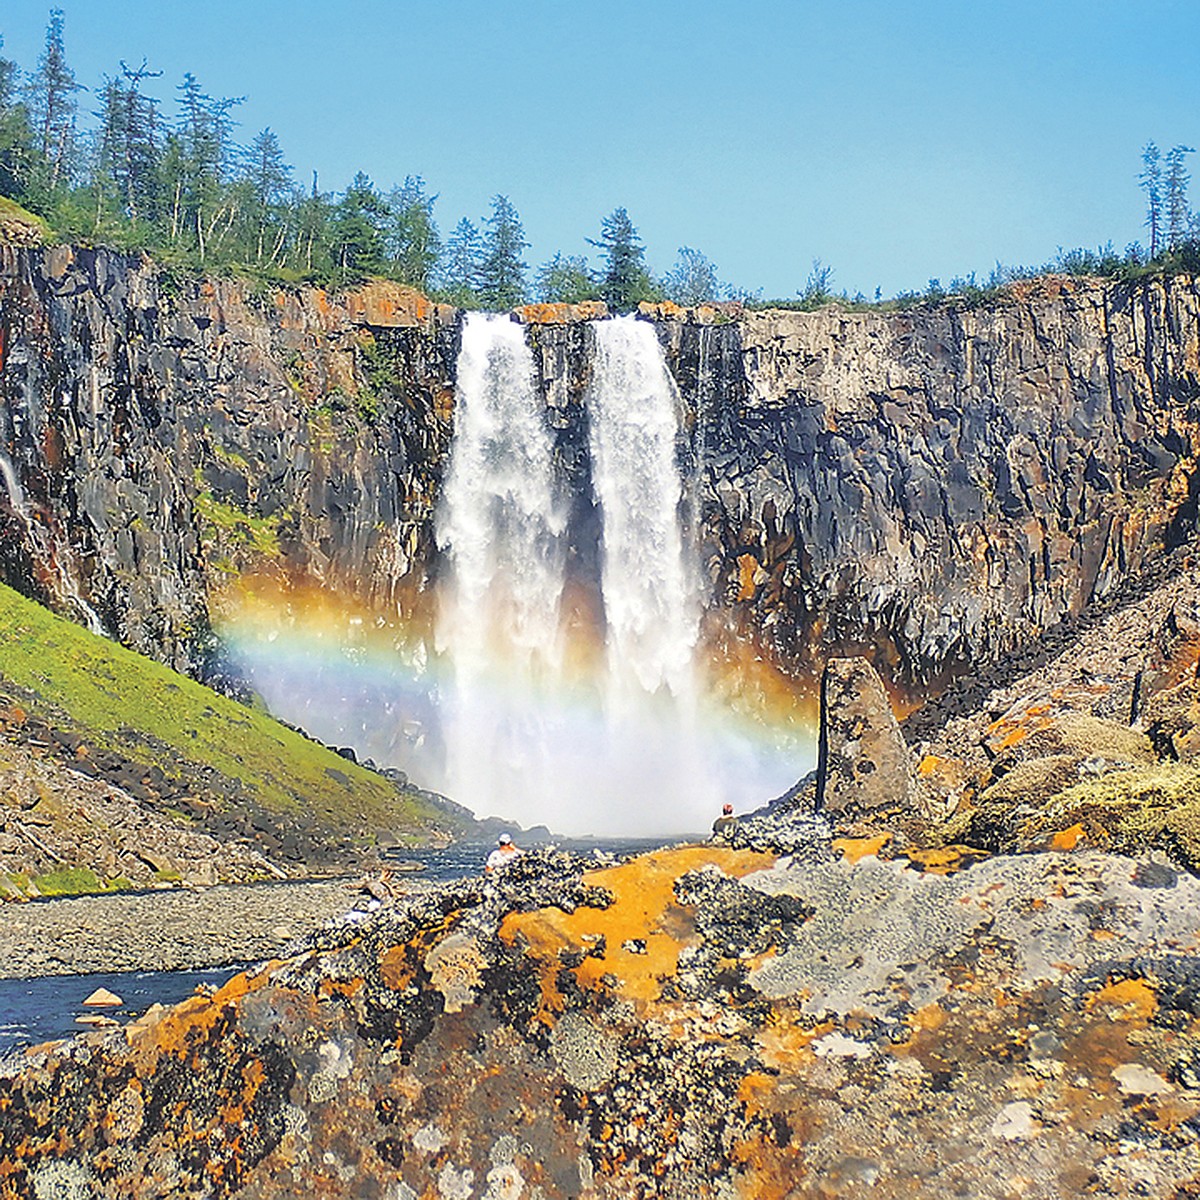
<point>340,987</point>
<point>1128,1000</point>
<point>945,860</point>
<point>388,305</point>
<point>1068,839</point>
<point>195,1017</point>
<point>783,1047</point>
<point>561,313</point>
<point>855,849</point>
<point>748,570</point>
<point>644,910</point>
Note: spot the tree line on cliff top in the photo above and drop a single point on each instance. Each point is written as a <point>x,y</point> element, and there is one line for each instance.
<point>183,188</point>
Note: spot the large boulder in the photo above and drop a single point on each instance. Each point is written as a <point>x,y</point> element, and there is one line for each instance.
<point>864,777</point>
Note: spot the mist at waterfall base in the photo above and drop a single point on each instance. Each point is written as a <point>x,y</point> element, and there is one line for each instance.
<point>528,690</point>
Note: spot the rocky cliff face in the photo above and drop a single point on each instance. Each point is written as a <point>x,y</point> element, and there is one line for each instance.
<point>943,484</point>
<point>161,436</point>
<point>933,486</point>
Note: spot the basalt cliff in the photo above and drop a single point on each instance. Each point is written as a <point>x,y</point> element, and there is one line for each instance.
<point>933,487</point>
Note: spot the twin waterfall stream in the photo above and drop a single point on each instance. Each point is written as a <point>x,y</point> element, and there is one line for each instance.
<point>563,678</point>
<point>523,737</point>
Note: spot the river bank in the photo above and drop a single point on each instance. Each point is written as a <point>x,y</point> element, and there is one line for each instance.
<point>178,929</point>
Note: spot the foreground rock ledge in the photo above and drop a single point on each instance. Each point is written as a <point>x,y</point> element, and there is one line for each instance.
<point>702,1021</point>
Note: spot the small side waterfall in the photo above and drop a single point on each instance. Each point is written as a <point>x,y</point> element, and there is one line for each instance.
<point>500,526</point>
<point>42,547</point>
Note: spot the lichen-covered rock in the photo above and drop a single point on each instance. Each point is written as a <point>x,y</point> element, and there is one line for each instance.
<point>863,770</point>
<point>701,1021</point>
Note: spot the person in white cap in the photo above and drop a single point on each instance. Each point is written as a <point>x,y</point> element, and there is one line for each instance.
<point>503,854</point>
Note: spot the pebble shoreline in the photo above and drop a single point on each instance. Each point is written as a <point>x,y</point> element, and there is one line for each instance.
<point>179,929</point>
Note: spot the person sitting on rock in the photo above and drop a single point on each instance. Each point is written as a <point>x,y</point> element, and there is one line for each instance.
<point>723,825</point>
<point>503,854</point>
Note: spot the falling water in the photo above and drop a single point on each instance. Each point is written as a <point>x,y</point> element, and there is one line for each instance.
<point>500,526</point>
<point>564,688</point>
<point>651,599</point>
<point>42,548</point>
<point>613,754</point>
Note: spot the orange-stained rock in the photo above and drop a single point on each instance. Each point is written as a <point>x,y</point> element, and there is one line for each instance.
<point>644,909</point>
<point>561,313</point>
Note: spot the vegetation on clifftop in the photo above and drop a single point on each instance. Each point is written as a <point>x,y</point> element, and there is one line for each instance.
<point>182,185</point>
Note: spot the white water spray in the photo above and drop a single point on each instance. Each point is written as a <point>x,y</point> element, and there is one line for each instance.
<point>614,755</point>
<point>500,526</point>
<point>651,601</point>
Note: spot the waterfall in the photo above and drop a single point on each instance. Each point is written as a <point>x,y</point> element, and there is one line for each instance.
<point>614,752</point>
<point>41,547</point>
<point>501,528</point>
<point>649,585</point>
<point>565,684</point>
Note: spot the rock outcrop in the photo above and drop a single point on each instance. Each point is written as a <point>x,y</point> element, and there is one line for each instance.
<point>863,769</point>
<point>704,1021</point>
<point>932,487</point>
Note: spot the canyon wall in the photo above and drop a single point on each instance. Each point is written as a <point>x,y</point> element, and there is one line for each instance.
<point>935,485</point>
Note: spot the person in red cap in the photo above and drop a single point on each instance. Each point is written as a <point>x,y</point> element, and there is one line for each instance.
<point>723,825</point>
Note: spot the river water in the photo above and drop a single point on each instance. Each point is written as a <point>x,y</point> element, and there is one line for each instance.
<point>49,1007</point>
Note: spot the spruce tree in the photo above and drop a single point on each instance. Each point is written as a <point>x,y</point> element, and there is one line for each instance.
<point>358,229</point>
<point>626,282</point>
<point>52,107</point>
<point>129,143</point>
<point>16,137</point>
<point>565,279</point>
<point>270,184</point>
<point>502,272</point>
<point>461,268</point>
<point>414,244</point>
<point>693,279</point>
<point>1178,216</point>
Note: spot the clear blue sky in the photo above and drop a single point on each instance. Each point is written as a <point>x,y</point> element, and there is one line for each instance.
<point>897,140</point>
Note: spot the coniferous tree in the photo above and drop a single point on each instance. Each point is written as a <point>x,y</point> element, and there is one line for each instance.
<point>626,282</point>
<point>1151,181</point>
<point>1178,217</point>
<point>313,238</point>
<point>502,272</point>
<point>461,268</point>
<point>566,279</point>
<point>359,231</point>
<point>129,144</point>
<point>269,180</point>
<point>414,244</point>
<point>16,138</point>
<point>52,107</point>
<point>201,162</point>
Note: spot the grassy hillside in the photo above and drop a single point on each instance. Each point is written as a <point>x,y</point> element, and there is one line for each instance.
<point>108,705</point>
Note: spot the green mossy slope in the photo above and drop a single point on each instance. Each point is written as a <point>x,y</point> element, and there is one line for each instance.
<point>222,752</point>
